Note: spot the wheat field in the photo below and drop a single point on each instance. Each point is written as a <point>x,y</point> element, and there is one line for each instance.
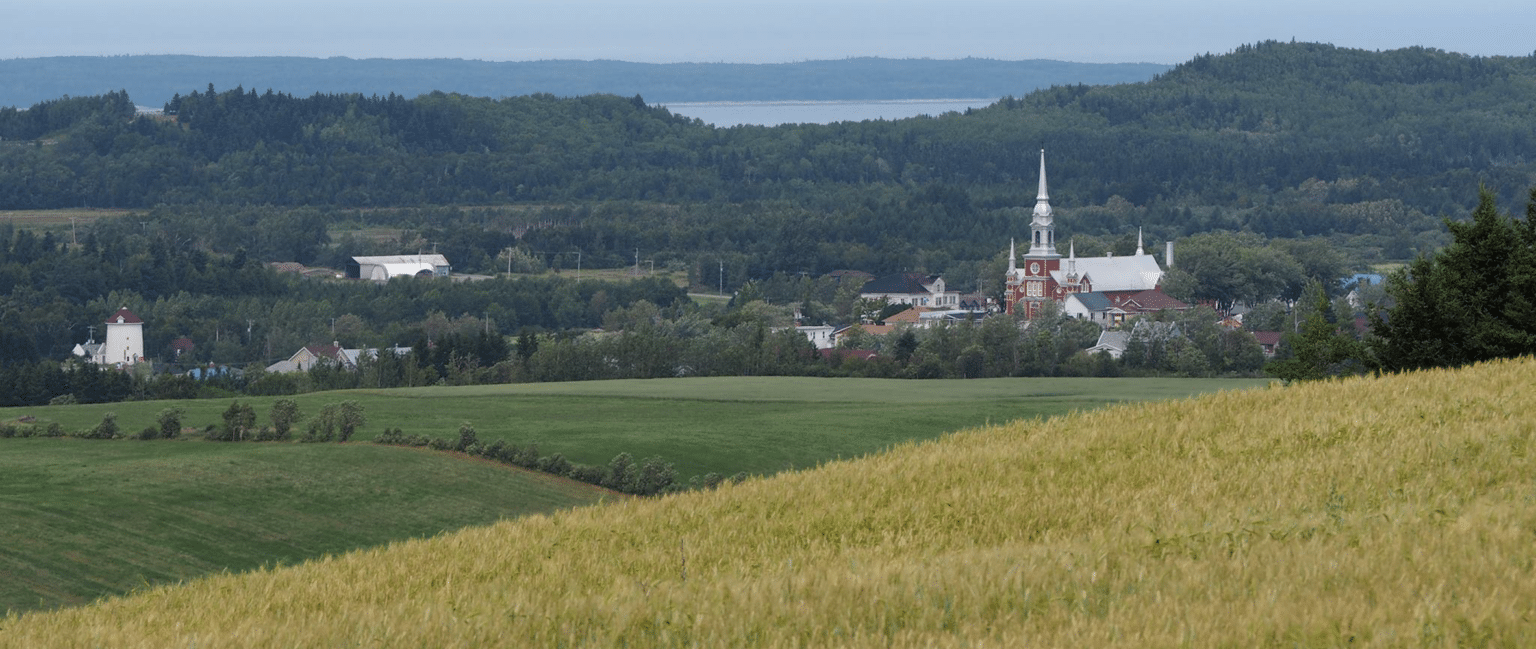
<point>1398,511</point>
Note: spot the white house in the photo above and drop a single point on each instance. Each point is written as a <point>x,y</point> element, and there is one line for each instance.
<point>820,335</point>
<point>383,268</point>
<point>311,355</point>
<point>915,289</point>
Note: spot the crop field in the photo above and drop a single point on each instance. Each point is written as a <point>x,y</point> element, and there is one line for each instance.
<point>1393,511</point>
<point>83,518</point>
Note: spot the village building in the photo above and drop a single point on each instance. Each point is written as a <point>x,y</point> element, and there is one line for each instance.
<point>384,268</point>
<point>1044,275</point>
<point>123,343</point>
<point>915,289</point>
<point>309,356</point>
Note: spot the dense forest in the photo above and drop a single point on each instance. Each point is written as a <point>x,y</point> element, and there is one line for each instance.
<point>1283,140</point>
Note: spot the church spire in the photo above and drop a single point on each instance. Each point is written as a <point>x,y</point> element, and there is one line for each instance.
<point>1139,251</point>
<point>1043,197</point>
<point>1042,229</point>
<point>1013,259</point>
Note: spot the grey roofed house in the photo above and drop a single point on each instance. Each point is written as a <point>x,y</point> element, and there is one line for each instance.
<point>1113,342</point>
<point>386,267</point>
<point>916,289</point>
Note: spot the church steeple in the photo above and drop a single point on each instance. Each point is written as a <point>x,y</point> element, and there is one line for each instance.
<point>1139,251</point>
<point>1042,228</point>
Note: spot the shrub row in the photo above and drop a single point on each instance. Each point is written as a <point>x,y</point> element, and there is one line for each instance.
<point>648,477</point>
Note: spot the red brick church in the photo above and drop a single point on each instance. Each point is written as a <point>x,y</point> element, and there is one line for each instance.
<point>1043,274</point>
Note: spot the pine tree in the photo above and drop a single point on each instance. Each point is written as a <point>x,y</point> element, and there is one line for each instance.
<point>1473,301</point>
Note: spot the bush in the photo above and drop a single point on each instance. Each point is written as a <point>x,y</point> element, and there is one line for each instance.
<point>107,429</point>
<point>350,419</point>
<point>149,433</point>
<point>285,413</point>
<point>588,474</point>
<point>466,437</point>
<point>555,465</point>
<point>169,421</point>
<point>323,427</point>
<point>239,422</point>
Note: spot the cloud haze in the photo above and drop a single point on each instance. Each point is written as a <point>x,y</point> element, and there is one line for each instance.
<point>752,31</point>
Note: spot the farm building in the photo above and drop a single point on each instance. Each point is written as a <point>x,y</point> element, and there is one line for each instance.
<point>384,268</point>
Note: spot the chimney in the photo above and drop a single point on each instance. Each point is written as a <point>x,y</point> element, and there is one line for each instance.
<point>1168,256</point>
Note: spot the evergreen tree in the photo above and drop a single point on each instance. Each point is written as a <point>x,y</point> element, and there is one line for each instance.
<point>1473,301</point>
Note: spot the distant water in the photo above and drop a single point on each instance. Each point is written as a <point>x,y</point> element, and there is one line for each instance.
<point>773,113</point>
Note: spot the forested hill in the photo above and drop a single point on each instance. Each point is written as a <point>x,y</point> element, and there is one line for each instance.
<point>1281,139</point>
<point>153,80</point>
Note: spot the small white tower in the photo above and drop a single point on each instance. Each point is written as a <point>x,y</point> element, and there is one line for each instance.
<point>124,340</point>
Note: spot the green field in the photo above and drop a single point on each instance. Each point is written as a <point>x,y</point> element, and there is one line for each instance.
<point>82,518</point>
<point>758,425</point>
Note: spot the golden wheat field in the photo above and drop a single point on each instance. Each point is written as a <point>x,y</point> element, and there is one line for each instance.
<point>1398,511</point>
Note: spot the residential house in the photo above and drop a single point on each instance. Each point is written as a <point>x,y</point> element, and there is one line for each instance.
<point>915,289</point>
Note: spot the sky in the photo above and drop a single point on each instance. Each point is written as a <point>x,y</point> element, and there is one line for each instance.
<point>754,31</point>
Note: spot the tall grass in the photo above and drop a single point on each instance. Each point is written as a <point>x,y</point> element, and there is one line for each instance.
<point>1371,512</point>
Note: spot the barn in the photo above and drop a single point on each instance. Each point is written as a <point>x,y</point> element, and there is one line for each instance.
<point>384,268</point>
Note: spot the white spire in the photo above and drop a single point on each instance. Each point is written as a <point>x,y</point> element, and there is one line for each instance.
<point>1042,231</point>
<point>1012,256</point>
<point>1139,251</point>
<point>1072,260</point>
<point>1043,198</point>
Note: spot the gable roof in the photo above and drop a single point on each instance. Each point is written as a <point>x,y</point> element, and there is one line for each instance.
<point>908,283</point>
<point>1112,340</point>
<point>1093,302</point>
<point>1133,273</point>
<point>124,316</point>
<point>1155,300</point>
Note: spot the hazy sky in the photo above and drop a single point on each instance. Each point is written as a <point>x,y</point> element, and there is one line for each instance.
<point>753,31</point>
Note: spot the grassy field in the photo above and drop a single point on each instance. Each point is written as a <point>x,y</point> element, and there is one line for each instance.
<point>56,220</point>
<point>1369,512</point>
<point>726,425</point>
<point>84,518</point>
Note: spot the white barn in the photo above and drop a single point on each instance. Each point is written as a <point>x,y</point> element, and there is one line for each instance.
<point>384,268</point>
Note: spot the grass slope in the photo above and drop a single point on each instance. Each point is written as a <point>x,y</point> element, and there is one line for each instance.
<point>1369,512</point>
<point>79,518</point>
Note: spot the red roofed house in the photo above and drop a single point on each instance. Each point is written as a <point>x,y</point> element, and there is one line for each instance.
<point>1269,341</point>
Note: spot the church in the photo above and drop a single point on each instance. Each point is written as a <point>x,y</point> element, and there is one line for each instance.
<point>1042,274</point>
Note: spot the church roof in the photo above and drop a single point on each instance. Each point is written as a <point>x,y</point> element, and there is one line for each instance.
<point>124,316</point>
<point>1132,273</point>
